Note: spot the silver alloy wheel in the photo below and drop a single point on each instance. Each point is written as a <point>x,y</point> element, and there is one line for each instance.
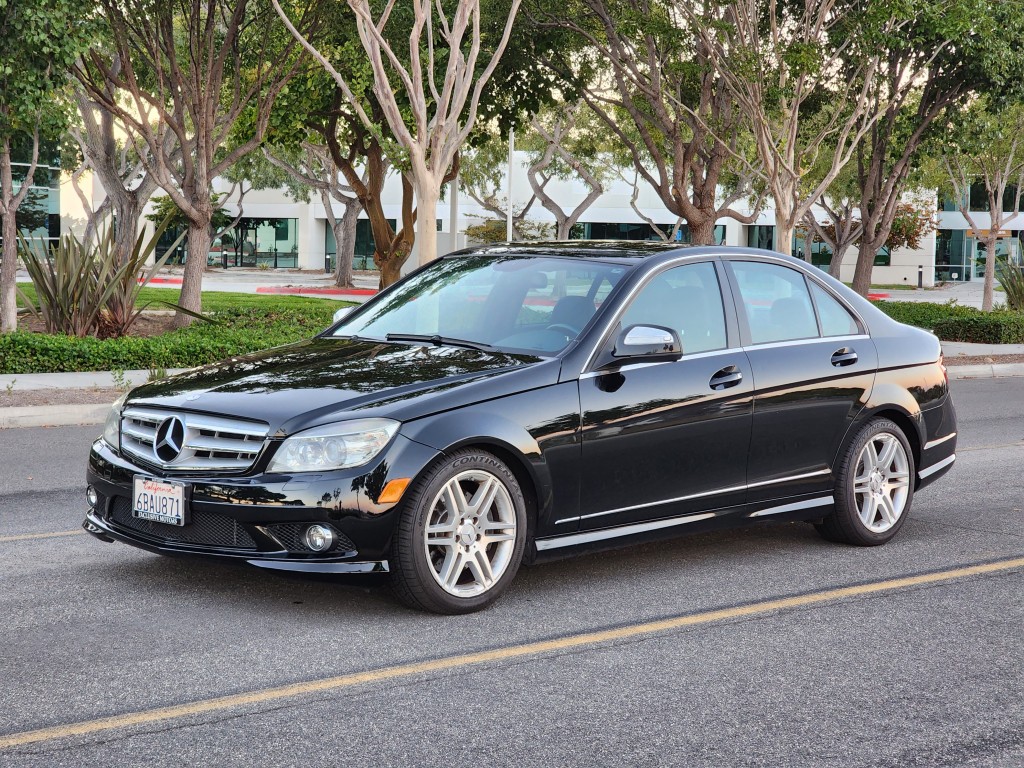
<point>470,533</point>
<point>882,482</point>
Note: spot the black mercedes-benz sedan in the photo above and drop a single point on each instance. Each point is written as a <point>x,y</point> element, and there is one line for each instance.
<point>506,404</point>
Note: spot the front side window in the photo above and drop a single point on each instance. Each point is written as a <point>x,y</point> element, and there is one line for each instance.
<point>686,299</point>
<point>512,303</point>
<point>776,302</point>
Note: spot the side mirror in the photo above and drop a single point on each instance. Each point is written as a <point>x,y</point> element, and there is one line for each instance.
<point>341,313</point>
<point>649,343</point>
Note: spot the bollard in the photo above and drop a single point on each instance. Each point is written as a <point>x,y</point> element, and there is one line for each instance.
<point>920,276</point>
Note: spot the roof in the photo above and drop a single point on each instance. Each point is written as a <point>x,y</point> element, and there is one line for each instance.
<point>594,249</point>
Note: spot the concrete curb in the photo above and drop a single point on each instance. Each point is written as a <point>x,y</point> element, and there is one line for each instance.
<point>20,382</point>
<point>52,416</point>
<point>985,371</point>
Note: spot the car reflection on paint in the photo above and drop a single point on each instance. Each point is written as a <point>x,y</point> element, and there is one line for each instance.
<point>506,404</point>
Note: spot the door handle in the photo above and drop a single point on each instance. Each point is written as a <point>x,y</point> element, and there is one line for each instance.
<point>844,356</point>
<point>729,376</point>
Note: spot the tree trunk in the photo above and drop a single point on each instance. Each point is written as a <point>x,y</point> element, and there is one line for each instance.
<point>390,271</point>
<point>990,267</point>
<point>865,266</point>
<point>426,223</point>
<point>9,230</point>
<point>702,232</point>
<point>126,226</point>
<point>345,243</point>
<point>835,267</point>
<point>562,227</point>
<point>8,271</point>
<point>199,241</point>
<point>784,235</point>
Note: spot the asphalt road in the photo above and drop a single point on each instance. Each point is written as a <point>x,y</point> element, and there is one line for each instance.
<point>925,674</point>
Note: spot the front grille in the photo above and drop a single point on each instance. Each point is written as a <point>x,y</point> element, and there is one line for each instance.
<point>290,536</point>
<point>209,442</point>
<point>206,528</point>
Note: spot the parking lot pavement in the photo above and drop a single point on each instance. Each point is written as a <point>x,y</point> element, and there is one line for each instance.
<point>916,675</point>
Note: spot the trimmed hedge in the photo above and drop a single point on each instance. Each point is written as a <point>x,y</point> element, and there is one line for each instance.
<point>923,314</point>
<point>236,332</point>
<point>983,328</point>
<point>952,322</point>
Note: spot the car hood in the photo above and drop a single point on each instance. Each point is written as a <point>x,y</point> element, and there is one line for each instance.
<point>298,385</point>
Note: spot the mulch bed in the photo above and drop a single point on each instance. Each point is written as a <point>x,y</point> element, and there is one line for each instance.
<point>982,359</point>
<point>19,398</point>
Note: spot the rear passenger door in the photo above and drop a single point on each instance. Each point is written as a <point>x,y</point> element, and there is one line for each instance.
<point>813,367</point>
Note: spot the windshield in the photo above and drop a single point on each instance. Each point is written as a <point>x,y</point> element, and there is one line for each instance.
<point>511,303</point>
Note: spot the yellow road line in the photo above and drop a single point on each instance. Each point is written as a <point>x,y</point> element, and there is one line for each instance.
<point>25,536</point>
<point>498,654</point>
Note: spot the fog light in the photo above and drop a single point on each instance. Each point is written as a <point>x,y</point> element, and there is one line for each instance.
<point>319,538</point>
<point>91,496</point>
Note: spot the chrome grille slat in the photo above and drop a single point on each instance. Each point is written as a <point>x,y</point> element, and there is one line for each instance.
<point>223,444</point>
<point>211,424</point>
<point>139,434</point>
<point>211,442</point>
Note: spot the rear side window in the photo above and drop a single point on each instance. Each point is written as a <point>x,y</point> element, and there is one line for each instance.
<point>835,318</point>
<point>777,303</point>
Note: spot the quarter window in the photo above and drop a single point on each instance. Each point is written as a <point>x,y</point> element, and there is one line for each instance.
<point>836,320</point>
<point>776,301</point>
<point>686,299</point>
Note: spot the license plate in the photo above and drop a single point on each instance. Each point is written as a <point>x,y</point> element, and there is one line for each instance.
<point>162,501</point>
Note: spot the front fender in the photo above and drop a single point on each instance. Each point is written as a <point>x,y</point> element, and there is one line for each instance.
<point>536,432</point>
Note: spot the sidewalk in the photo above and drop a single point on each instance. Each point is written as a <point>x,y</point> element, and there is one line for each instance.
<point>287,282</point>
<point>967,294</point>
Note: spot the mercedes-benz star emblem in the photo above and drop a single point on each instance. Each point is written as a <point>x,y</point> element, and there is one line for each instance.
<point>170,438</point>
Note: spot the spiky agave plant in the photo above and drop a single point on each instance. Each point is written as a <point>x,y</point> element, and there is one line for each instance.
<point>73,282</point>
<point>1011,278</point>
<point>83,289</point>
<point>122,308</point>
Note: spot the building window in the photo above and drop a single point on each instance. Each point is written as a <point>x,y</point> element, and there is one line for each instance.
<point>594,230</point>
<point>38,217</point>
<point>255,242</point>
<point>761,236</point>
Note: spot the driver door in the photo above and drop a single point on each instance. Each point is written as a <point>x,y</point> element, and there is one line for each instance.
<point>667,439</point>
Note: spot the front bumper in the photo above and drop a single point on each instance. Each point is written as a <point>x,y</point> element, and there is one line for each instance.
<point>259,519</point>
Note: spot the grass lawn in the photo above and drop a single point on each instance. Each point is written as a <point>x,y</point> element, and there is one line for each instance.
<point>217,301</point>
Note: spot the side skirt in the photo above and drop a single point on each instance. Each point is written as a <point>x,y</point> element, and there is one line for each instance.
<point>810,508</point>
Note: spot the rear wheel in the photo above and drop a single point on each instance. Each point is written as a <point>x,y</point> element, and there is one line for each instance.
<point>875,487</point>
<point>461,535</point>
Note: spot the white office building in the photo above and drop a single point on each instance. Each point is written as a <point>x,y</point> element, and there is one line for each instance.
<point>283,233</point>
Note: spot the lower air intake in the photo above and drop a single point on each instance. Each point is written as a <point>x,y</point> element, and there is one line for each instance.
<point>206,528</point>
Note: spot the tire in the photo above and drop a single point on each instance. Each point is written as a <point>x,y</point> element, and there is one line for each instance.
<point>476,515</point>
<point>875,487</point>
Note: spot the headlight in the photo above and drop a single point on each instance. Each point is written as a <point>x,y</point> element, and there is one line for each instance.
<point>334,446</point>
<point>112,426</point>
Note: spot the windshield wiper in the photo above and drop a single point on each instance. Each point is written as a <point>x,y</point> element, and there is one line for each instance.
<point>439,341</point>
<point>355,337</point>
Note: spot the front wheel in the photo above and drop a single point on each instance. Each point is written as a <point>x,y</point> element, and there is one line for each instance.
<point>875,487</point>
<point>460,536</point>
